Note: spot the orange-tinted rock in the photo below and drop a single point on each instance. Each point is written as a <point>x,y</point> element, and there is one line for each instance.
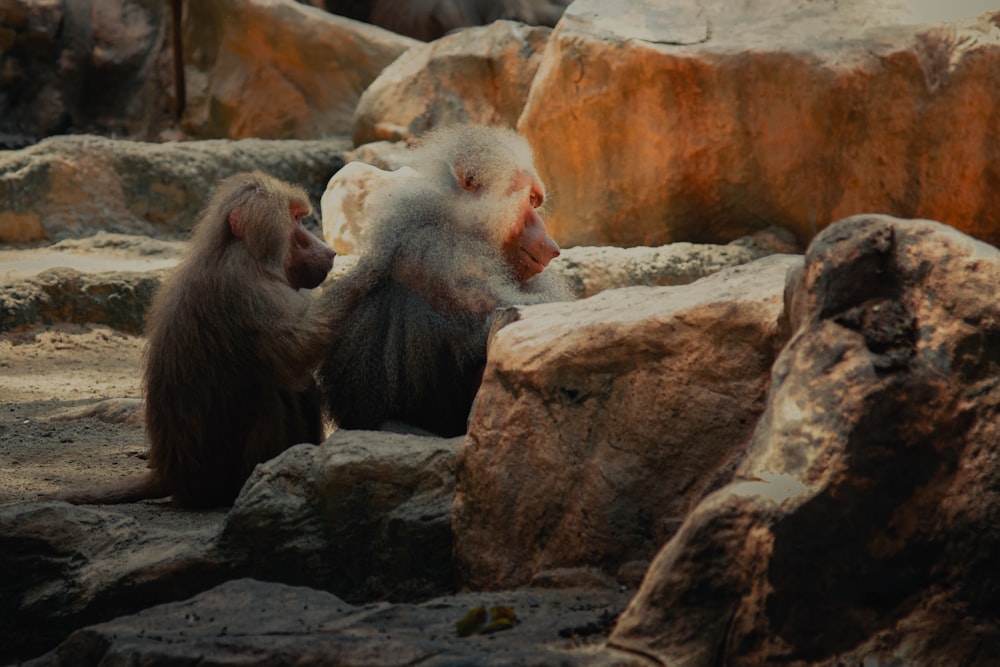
<point>278,69</point>
<point>478,75</point>
<point>601,422</point>
<point>660,122</point>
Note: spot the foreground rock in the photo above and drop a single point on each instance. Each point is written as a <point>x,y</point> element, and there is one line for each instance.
<point>366,515</point>
<point>254,623</point>
<point>862,525</point>
<point>64,567</point>
<point>67,187</point>
<point>600,423</point>
<point>710,142</point>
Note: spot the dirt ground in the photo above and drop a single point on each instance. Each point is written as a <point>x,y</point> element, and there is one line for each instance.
<point>48,371</point>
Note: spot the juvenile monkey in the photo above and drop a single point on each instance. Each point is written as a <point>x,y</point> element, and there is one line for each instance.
<point>445,247</point>
<point>232,341</point>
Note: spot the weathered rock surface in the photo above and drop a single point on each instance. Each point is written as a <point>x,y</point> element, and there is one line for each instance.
<point>478,75</point>
<point>271,69</point>
<point>118,299</point>
<point>278,69</point>
<point>862,526</point>
<point>429,21</point>
<point>111,278</point>
<point>685,121</point>
<point>64,567</point>
<point>73,186</point>
<point>250,622</point>
<point>83,66</point>
<point>367,516</point>
<point>600,423</point>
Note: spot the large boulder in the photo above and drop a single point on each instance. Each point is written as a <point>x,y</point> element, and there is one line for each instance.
<point>690,121</point>
<point>862,527</point>
<point>278,69</point>
<point>478,75</point>
<point>600,423</point>
<point>66,187</point>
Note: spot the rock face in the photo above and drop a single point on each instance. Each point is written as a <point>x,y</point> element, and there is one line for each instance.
<point>862,524</point>
<point>686,121</point>
<point>272,69</point>
<point>249,622</point>
<point>366,515</point>
<point>600,423</point>
<point>66,187</point>
<point>83,66</point>
<point>65,567</point>
<point>278,69</point>
<point>478,75</point>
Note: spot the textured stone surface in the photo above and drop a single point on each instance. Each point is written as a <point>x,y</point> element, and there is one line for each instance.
<point>479,75</point>
<point>861,527</point>
<point>601,422</point>
<point>249,622</point>
<point>691,121</point>
<point>74,186</point>
<point>278,69</point>
<point>366,515</point>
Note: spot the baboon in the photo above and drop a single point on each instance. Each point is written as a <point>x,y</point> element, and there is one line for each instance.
<point>444,248</point>
<point>233,340</point>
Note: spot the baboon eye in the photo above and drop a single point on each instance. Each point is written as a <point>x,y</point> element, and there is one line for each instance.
<point>536,199</point>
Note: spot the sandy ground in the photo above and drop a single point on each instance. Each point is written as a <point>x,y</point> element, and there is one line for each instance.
<point>47,371</point>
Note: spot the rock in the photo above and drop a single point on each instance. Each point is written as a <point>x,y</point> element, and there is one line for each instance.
<point>65,567</point>
<point>277,69</point>
<point>592,269</point>
<point>432,20</point>
<point>251,622</point>
<point>117,299</point>
<point>74,186</point>
<point>83,66</point>
<point>478,75</point>
<point>366,515</point>
<point>600,423</point>
<point>344,204</point>
<point>861,527</point>
<point>685,121</point>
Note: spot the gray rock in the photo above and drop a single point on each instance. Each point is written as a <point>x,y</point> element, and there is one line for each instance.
<point>250,622</point>
<point>366,515</point>
<point>63,567</point>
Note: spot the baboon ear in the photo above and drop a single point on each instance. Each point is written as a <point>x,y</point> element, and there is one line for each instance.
<point>467,179</point>
<point>234,223</point>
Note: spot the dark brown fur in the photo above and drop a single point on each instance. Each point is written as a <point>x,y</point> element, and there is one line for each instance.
<point>445,247</point>
<point>233,339</point>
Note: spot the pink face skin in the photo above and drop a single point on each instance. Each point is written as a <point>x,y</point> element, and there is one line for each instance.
<point>309,260</point>
<point>529,248</point>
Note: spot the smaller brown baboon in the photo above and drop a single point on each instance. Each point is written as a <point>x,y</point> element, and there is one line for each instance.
<point>444,248</point>
<point>233,339</point>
